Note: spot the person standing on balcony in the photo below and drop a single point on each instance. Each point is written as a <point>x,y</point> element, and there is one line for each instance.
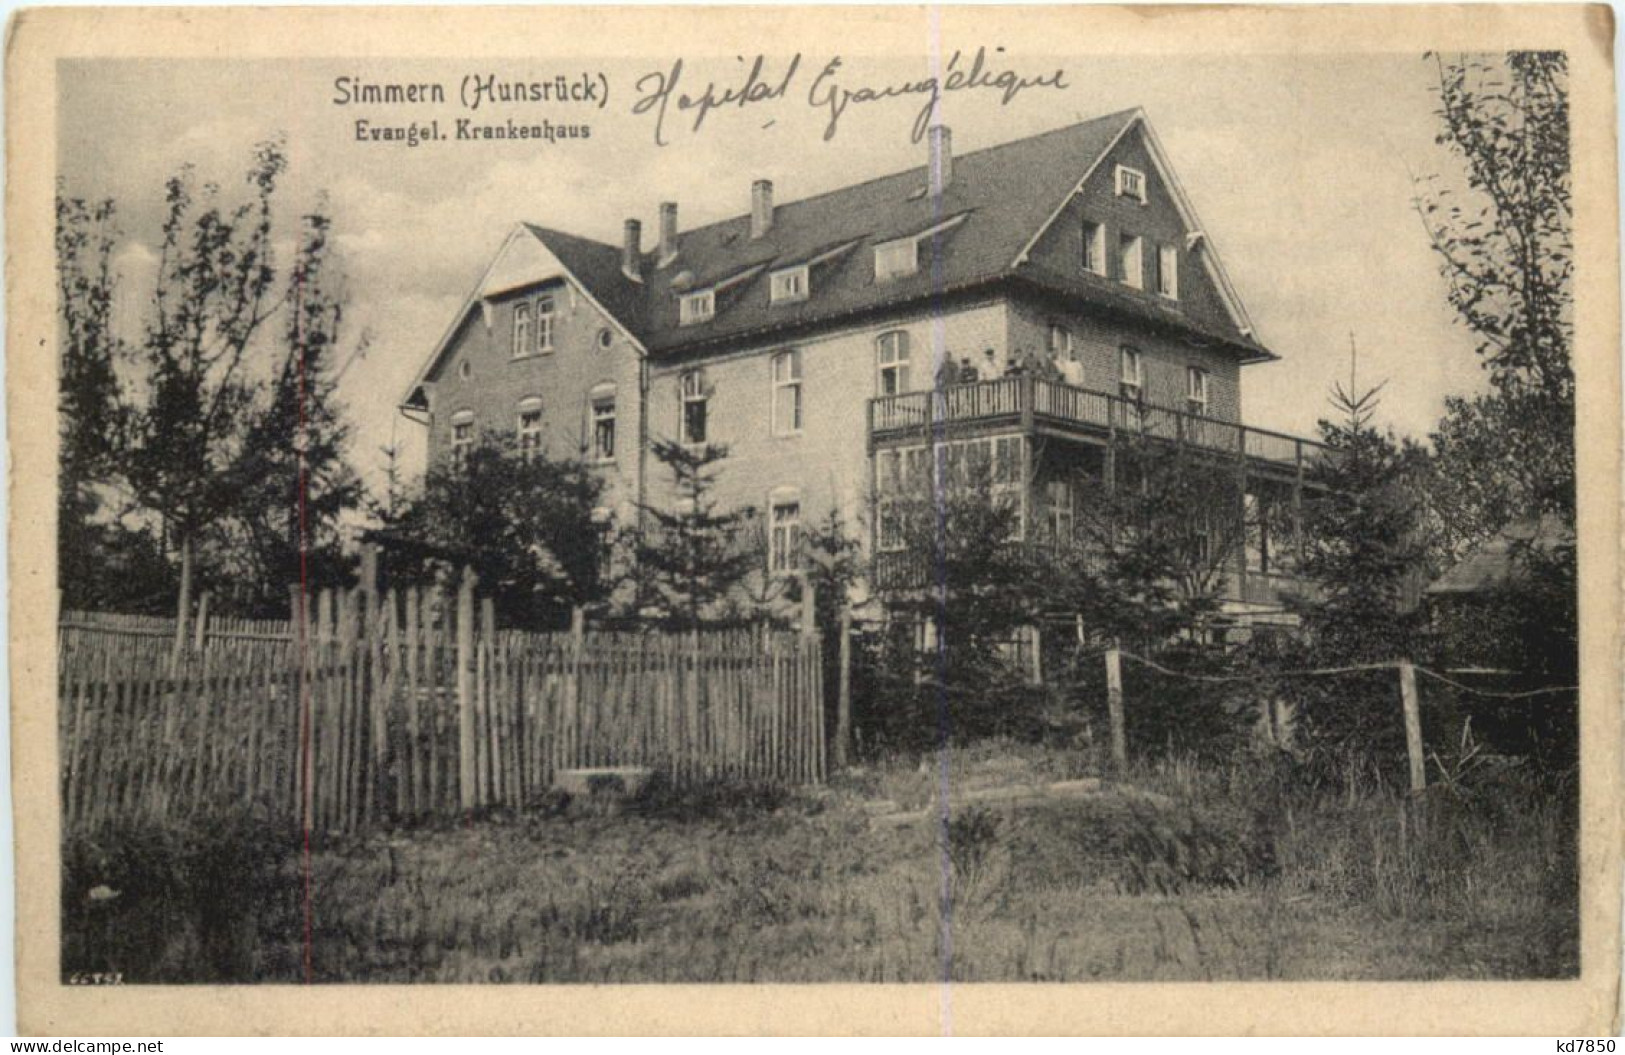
<point>968,374</point>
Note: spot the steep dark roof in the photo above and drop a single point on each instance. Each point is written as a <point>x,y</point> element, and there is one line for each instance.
<point>1004,194</point>
<point>598,267</point>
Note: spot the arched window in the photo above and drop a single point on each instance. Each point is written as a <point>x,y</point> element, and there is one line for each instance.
<point>601,408</point>
<point>529,427</point>
<point>693,397</point>
<point>462,438</point>
<point>521,330</point>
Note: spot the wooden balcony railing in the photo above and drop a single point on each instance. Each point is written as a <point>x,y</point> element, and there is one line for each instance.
<point>1032,400</point>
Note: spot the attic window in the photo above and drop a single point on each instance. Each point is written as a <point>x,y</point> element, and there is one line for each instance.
<point>696,307</point>
<point>896,259</point>
<point>901,256</point>
<point>1131,183</point>
<point>789,285</point>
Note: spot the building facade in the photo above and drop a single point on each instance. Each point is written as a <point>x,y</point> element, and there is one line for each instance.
<point>1032,298</point>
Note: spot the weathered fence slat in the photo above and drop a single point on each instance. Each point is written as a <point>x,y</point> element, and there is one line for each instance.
<point>353,716</point>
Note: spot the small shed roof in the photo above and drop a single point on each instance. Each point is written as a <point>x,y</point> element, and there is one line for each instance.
<point>1494,562</point>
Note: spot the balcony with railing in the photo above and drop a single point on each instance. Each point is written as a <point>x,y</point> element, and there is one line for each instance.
<point>1035,404</point>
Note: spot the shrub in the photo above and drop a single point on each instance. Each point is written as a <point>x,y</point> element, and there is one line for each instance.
<point>662,797</point>
<point>208,899</point>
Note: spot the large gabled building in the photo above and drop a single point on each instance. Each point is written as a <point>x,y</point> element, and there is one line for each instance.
<point>808,337</point>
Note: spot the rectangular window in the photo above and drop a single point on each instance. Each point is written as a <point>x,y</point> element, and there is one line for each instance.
<point>1094,247</point>
<point>1060,343</point>
<point>787,393</point>
<point>788,286</point>
<point>530,429</point>
<point>1059,518</point>
<point>1131,183</point>
<point>892,355</point>
<point>1257,543</point>
<point>896,259</point>
<point>544,323</point>
<point>521,330</point>
<point>696,307</point>
<point>784,541</point>
<point>692,387</point>
<point>891,351</point>
<point>1131,379</point>
<point>603,429</point>
<point>462,440</point>
<point>1131,260</point>
<point>1196,390</point>
<point>1168,271</point>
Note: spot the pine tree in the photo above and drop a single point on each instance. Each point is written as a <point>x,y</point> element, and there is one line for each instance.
<point>690,562</point>
<point>1154,544</point>
<point>1366,533</point>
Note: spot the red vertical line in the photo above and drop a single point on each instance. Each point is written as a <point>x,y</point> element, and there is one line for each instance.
<point>302,631</point>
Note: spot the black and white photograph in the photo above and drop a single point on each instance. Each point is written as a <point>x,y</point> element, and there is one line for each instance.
<point>1003,509</point>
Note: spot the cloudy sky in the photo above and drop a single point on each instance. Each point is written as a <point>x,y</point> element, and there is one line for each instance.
<point>1301,168</point>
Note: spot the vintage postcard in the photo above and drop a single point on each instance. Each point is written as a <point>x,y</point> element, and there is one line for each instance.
<point>815,520</point>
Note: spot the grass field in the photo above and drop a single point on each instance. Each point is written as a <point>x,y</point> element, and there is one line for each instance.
<point>1182,872</point>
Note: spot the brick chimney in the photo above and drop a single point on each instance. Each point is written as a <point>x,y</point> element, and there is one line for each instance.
<point>940,170</point>
<point>761,207</point>
<point>668,233</point>
<point>632,251</point>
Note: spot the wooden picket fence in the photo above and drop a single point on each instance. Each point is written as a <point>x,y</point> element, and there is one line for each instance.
<point>375,709</point>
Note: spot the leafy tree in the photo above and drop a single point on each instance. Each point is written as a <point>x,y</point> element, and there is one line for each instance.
<point>524,522</point>
<point>293,487</point>
<point>102,562</point>
<point>215,290</point>
<point>1506,458</point>
<point>89,397</point>
<point>1504,243</point>
<point>690,560</point>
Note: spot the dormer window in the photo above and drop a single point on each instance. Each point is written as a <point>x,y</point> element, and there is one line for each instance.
<point>1131,183</point>
<point>901,256</point>
<point>896,259</point>
<point>789,285</point>
<point>696,307</point>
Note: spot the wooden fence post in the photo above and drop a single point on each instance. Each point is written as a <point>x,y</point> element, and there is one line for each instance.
<point>1114,707</point>
<point>465,689</point>
<point>1413,725</point>
<point>809,607</point>
<point>1035,639</point>
<point>202,628</point>
<point>843,702</point>
<point>569,729</point>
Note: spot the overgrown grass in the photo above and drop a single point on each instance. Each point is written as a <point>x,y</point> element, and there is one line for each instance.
<point>1184,872</point>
